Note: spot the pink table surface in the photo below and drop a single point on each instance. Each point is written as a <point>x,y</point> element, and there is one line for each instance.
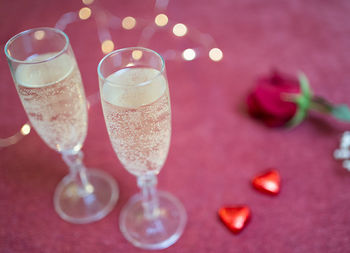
<point>216,148</point>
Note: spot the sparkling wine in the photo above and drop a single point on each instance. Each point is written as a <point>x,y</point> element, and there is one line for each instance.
<point>138,118</point>
<point>53,97</point>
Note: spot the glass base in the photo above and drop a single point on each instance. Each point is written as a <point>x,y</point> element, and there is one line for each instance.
<point>76,207</point>
<point>158,232</point>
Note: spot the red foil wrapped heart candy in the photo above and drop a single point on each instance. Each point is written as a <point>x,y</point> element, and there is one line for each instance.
<point>235,217</point>
<point>268,182</point>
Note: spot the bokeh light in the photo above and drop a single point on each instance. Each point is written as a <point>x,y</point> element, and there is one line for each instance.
<point>39,35</point>
<point>180,30</point>
<point>107,46</point>
<point>84,13</point>
<point>161,20</point>
<point>25,130</point>
<point>215,54</point>
<point>89,188</point>
<point>136,54</point>
<point>128,23</point>
<point>189,54</point>
<point>87,2</point>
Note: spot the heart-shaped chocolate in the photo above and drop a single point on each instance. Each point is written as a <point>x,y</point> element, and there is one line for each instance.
<point>268,182</point>
<point>234,217</point>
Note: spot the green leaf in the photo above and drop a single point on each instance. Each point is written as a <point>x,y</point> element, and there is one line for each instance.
<point>303,101</point>
<point>341,112</point>
<point>304,85</point>
<point>297,118</point>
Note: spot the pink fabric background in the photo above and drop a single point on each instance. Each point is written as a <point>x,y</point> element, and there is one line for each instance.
<point>216,148</point>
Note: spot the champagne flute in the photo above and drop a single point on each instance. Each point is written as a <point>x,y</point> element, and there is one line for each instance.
<point>136,106</point>
<point>49,85</point>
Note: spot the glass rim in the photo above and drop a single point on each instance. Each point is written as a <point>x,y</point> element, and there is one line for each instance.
<point>18,35</point>
<point>101,76</point>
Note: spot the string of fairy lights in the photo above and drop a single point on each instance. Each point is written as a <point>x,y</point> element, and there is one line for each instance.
<point>106,21</point>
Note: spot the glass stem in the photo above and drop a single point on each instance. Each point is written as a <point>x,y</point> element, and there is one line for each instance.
<point>147,184</point>
<point>78,171</point>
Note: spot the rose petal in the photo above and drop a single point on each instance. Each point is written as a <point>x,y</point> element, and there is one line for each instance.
<point>253,106</point>
<point>276,122</point>
<point>269,99</point>
<point>266,101</point>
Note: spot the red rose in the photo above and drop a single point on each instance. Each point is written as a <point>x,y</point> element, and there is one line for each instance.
<point>280,101</point>
<point>267,100</point>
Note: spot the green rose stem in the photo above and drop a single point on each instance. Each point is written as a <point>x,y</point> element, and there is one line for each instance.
<point>307,101</point>
<point>341,112</point>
